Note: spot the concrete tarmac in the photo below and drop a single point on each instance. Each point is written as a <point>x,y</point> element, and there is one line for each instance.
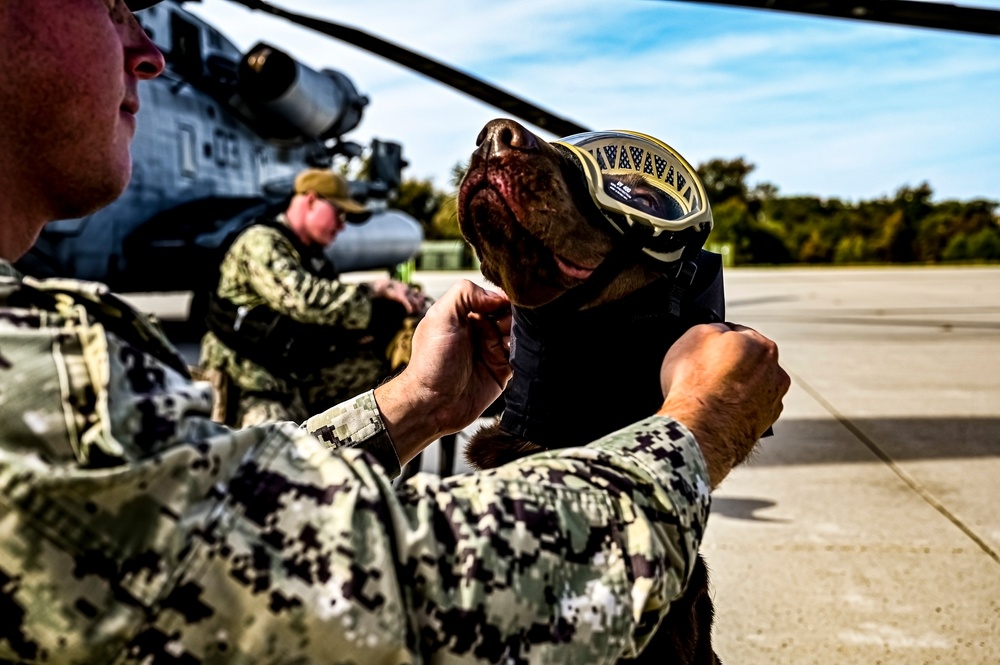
<point>865,530</point>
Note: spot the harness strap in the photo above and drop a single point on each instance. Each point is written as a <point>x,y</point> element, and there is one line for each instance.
<point>683,279</point>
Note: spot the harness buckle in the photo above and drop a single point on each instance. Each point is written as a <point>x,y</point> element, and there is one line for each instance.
<point>687,269</point>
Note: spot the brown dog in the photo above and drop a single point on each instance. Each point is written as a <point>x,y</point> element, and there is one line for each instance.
<point>593,319</point>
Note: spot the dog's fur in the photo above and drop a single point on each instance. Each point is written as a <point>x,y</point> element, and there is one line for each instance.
<point>525,208</point>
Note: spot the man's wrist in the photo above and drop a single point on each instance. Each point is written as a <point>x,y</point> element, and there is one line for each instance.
<point>692,414</point>
<point>407,419</point>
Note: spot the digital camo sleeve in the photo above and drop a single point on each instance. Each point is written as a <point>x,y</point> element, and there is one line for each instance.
<point>133,529</point>
<point>276,273</point>
<point>630,484</point>
<point>356,423</point>
<point>312,554</point>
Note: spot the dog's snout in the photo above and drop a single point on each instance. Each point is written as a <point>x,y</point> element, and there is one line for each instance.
<point>504,135</point>
<point>483,133</point>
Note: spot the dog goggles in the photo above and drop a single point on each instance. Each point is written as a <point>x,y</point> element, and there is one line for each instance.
<point>637,180</point>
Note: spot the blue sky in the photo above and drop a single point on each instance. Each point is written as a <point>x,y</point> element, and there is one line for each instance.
<point>823,107</point>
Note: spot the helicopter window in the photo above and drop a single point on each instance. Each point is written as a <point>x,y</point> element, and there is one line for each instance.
<point>214,39</point>
<point>185,50</point>
<point>189,163</point>
<point>219,147</point>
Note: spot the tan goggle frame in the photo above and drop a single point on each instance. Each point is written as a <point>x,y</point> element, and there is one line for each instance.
<point>619,152</point>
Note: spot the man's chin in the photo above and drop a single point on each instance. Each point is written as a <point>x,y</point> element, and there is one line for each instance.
<point>85,198</point>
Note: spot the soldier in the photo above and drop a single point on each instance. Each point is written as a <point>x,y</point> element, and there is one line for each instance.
<point>286,337</point>
<point>135,529</point>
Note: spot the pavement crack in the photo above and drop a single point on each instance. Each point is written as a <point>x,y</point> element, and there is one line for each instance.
<point>895,468</point>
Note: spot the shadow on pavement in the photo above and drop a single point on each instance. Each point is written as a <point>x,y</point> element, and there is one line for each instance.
<point>823,441</point>
<point>743,508</point>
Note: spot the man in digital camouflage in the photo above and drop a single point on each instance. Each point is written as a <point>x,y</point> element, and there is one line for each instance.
<point>278,267</point>
<point>135,529</point>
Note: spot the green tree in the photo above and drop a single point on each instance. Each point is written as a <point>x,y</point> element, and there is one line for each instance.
<point>436,210</point>
<point>983,245</point>
<point>894,242</point>
<point>418,198</point>
<point>444,225</point>
<point>816,249</point>
<point>949,220</point>
<point>725,179</point>
<point>736,209</point>
<point>852,249</point>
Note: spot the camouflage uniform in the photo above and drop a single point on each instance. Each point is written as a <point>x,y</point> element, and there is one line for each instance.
<point>263,267</point>
<point>135,529</point>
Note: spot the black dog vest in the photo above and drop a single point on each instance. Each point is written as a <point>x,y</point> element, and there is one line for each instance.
<point>581,374</point>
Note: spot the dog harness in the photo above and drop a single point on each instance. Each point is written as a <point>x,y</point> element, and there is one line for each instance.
<point>575,372</point>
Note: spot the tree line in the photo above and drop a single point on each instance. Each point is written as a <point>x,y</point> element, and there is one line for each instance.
<point>761,227</point>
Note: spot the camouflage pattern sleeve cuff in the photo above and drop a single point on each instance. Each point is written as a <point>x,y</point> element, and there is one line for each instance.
<point>356,423</point>
<point>670,453</point>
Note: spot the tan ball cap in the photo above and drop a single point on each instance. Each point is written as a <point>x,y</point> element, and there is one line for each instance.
<point>329,185</point>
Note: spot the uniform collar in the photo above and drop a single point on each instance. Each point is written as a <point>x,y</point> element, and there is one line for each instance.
<point>7,270</point>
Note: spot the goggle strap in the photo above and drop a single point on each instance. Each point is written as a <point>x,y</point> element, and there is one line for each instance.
<point>618,220</point>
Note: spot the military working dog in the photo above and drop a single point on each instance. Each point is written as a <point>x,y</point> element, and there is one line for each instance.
<point>603,279</point>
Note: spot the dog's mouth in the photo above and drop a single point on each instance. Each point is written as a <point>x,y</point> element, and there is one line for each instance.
<point>573,270</point>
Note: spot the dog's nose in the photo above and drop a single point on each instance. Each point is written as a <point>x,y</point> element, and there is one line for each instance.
<point>503,135</point>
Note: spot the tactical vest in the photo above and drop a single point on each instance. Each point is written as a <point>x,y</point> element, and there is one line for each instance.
<point>285,347</point>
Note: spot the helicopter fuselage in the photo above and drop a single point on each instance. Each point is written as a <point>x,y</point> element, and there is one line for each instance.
<point>220,137</point>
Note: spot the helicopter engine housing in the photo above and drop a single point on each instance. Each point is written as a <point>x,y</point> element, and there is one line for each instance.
<point>279,88</point>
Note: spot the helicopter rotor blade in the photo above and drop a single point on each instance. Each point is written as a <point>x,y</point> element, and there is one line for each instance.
<point>461,81</point>
<point>901,12</point>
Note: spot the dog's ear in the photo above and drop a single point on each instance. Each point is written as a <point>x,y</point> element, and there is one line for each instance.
<point>491,447</point>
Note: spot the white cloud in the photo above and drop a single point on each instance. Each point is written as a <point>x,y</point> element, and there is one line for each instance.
<point>831,108</point>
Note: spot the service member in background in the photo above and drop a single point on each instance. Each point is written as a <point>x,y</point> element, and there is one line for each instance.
<point>286,336</point>
<point>135,529</point>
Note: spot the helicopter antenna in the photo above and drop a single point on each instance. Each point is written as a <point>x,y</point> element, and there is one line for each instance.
<point>901,12</point>
<point>459,80</point>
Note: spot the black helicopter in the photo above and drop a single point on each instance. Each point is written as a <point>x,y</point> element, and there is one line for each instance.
<point>224,132</point>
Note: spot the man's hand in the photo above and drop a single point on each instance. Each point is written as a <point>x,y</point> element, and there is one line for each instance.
<point>459,366</point>
<point>723,382</point>
<point>413,300</point>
